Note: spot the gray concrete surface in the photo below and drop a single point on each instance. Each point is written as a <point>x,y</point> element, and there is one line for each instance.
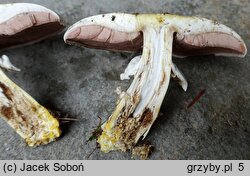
<point>81,82</point>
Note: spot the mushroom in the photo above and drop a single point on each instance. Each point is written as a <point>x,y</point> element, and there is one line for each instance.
<point>158,36</point>
<point>25,23</point>
<point>22,24</point>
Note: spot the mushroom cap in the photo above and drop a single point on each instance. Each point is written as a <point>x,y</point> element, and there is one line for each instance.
<point>124,32</point>
<point>25,23</point>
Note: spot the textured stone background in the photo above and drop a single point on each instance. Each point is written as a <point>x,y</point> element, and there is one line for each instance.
<point>81,82</point>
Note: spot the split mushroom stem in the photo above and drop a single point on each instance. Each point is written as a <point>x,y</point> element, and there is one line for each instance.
<point>159,36</point>
<point>139,106</point>
<point>22,24</point>
<point>28,118</point>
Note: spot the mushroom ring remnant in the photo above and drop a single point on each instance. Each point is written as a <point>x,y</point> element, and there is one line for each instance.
<point>159,36</point>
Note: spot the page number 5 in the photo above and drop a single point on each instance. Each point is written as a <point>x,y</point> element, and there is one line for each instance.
<point>241,167</point>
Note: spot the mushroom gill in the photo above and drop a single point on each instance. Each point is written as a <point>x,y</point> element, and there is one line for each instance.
<point>25,23</point>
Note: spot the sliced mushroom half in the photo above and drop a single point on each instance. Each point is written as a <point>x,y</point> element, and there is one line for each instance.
<point>22,24</point>
<point>25,23</point>
<point>158,36</point>
<point>28,118</point>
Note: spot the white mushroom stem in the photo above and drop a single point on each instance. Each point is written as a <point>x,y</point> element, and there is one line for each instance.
<point>139,106</point>
<point>29,119</point>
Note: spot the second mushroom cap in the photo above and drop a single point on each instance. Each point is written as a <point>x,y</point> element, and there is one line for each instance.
<point>26,23</point>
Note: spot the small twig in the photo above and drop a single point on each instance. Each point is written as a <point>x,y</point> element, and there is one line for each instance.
<point>202,92</point>
<point>64,121</point>
<point>100,120</point>
<point>63,118</point>
<point>67,119</point>
<point>92,152</point>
